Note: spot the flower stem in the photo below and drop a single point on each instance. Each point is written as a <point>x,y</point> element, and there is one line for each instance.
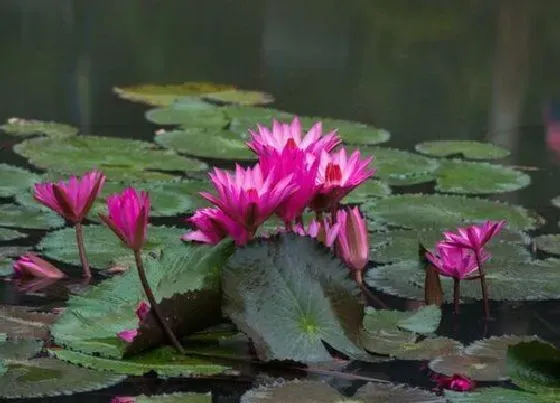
<point>82,250</point>
<point>484,287</point>
<point>456,295</point>
<point>368,294</point>
<point>153,305</point>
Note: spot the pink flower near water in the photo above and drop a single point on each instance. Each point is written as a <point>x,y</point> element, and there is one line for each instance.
<point>352,244</point>
<point>291,135</point>
<point>453,261</point>
<point>213,225</point>
<point>323,231</point>
<point>72,199</point>
<point>128,335</point>
<point>123,399</point>
<point>128,216</point>
<point>457,382</point>
<point>474,237</point>
<point>249,196</point>
<point>337,176</point>
<point>31,265</point>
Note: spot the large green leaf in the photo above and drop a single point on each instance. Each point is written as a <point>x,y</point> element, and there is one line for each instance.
<point>478,177</point>
<point>14,180</point>
<point>32,127</point>
<point>7,234</point>
<point>295,284</point>
<point>13,215</point>
<point>353,133</point>
<point>186,286</point>
<point>189,112</point>
<point>466,148</point>
<point>535,366</point>
<point>244,118</point>
<point>102,245</point>
<point>367,191</point>
<point>422,211</point>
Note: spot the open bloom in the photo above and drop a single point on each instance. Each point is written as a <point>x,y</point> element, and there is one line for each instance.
<point>128,335</point>
<point>249,196</point>
<point>290,135</point>
<point>337,176</point>
<point>72,199</point>
<point>453,261</point>
<point>128,216</point>
<point>474,237</point>
<point>213,225</point>
<point>352,243</point>
<point>322,230</point>
<point>31,265</point>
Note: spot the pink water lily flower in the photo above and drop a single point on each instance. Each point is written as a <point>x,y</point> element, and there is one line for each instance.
<point>249,196</point>
<point>322,230</point>
<point>457,382</point>
<point>291,135</point>
<point>72,199</point>
<point>123,399</point>
<point>31,265</point>
<point>213,225</point>
<point>142,311</point>
<point>337,176</point>
<point>128,216</point>
<point>453,261</point>
<point>352,244</point>
<point>474,237</point>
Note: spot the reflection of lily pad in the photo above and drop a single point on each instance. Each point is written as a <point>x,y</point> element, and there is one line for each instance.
<point>13,215</point>
<point>189,112</point>
<point>483,360</point>
<point>22,323</point>
<point>476,177</point>
<point>400,165</point>
<point>14,180</point>
<point>7,234</point>
<point>165,94</point>
<point>102,245</point>
<point>421,211</point>
<point>549,243</point>
<point>32,127</point>
<point>350,132</point>
<point>240,97</point>
<point>467,148</point>
<point>206,143</point>
<point>368,190</point>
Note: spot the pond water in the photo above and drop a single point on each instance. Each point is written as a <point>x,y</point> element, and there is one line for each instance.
<point>475,70</point>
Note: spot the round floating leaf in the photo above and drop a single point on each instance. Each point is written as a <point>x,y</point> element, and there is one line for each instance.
<point>350,132</point>
<point>190,112</point>
<point>31,127</point>
<point>20,322</point>
<point>477,177</point>
<point>120,159</point>
<point>165,94</point>
<point>7,234</point>
<point>293,283</point>
<point>415,179</point>
<point>494,395</point>
<point>427,349</point>
<point>294,391</point>
<point>483,360</point>
<point>245,118</point>
<point>177,397</point>
<point>549,243</point>
<point>396,165</point>
<point>102,245</point>
<point>535,366</point>
<point>368,190</point>
<point>467,148</point>
<point>206,143</point>
<point>390,392</point>
<point>421,211</point>
<point>13,215</point>
<point>14,180</point>
<point>240,97</point>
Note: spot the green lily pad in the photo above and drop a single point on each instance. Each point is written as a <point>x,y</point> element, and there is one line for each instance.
<point>102,245</point>
<point>206,143</point>
<point>535,366</point>
<point>396,165</point>
<point>483,360</point>
<point>427,349</point>
<point>240,97</point>
<point>353,133</point>
<point>467,148</point>
<point>6,268</point>
<point>185,284</point>
<point>14,180</point>
<point>165,94</point>
<point>390,392</point>
<point>7,234</point>
<point>414,179</point>
<point>22,323</point>
<point>32,127</point>
<point>120,159</point>
<point>25,377</point>
<point>549,243</point>
<point>420,211</point>
<point>177,397</point>
<point>244,118</point>
<point>293,283</point>
<point>189,112</point>
<point>13,215</point>
<point>368,190</point>
<point>494,395</point>
<point>458,176</point>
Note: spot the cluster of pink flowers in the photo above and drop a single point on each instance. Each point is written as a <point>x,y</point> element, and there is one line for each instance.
<point>295,171</point>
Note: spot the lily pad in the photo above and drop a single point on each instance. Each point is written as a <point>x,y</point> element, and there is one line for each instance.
<point>244,118</point>
<point>549,243</point>
<point>206,143</point>
<point>240,97</point>
<point>177,397</point>
<point>367,191</point>
<point>32,127</point>
<point>20,322</point>
<point>467,148</point>
<point>494,395</point>
<point>390,393</point>
<point>189,112</point>
<point>102,245</point>
<point>352,133</point>
<point>535,366</point>
<point>293,283</point>
<point>7,234</point>
<point>483,360</point>
<point>398,166</point>
<point>477,177</point>
<point>6,268</point>
<point>165,94</point>
<point>13,215</point>
<point>14,180</point>
<point>420,211</point>
<point>120,159</point>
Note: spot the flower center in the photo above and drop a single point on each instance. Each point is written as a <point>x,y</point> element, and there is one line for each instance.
<point>291,143</point>
<point>333,173</point>
<point>253,195</point>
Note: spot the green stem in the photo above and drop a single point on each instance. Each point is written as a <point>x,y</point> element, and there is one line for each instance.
<point>153,305</point>
<point>484,287</point>
<point>82,250</point>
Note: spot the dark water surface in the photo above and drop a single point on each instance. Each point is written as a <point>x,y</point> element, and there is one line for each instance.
<point>423,69</point>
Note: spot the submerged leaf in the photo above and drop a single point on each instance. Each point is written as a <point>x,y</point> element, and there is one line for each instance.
<point>13,215</point>
<point>15,179</point>
<point>467,148</point>
<point>32,127</point>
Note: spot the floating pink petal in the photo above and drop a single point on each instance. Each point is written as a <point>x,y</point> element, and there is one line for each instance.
<point>352,244</point>
<point>213,225</point>
<point>127,335</point>
<point>31,265</point>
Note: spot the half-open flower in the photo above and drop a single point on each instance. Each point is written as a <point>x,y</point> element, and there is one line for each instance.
<point>474,237</point>
<point>453,261</point>
<point>352,244</point>
<point>213,225</point>
<point>31,265</point>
